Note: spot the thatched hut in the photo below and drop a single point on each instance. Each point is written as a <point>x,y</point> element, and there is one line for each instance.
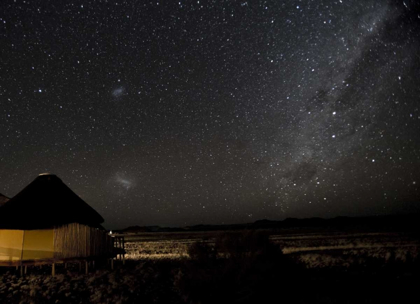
<point>48,222</point>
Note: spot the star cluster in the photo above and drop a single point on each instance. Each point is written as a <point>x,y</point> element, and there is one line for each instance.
<point>214,112</point>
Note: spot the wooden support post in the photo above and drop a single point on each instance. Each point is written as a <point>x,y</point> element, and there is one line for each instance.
<point>53,269</point>
<point>93,264</point>
<point>21,270</point>
<point>26,269</point>
<point>112,264</point>
<point>17,267</point>
<point>80,266</point>
<point>87,266</point>
<point>123,247</point>
<point>117,245</point>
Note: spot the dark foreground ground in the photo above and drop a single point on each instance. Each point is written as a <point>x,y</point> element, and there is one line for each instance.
<point>239,268</point>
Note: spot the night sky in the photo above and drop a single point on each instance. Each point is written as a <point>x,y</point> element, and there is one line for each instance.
<point>178,113</point>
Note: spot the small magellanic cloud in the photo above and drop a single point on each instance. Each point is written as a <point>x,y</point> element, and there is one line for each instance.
<point>118,92</point>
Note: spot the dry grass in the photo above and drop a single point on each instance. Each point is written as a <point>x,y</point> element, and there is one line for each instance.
<point>346,250</point>
<point>313,250</point>
<point>166,245</point>
<point>153,250</point>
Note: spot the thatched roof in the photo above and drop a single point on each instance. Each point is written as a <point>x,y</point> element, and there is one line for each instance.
<point>3,199</point>
<point>45,203</point>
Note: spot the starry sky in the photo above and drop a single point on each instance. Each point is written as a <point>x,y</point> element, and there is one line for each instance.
<point>179,113</point>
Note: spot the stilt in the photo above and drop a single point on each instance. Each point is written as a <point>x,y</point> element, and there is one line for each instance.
<point>53,269</point>
<point>26,269</point>
<point>123,248</point>
<point>93,264</point>
<point>87,267</point>
<point>112,264</point>
<point>21,270</point>
<point>17,267</point>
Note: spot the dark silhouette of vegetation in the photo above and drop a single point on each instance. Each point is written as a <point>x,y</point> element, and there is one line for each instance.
<point>202,251</point>
<point>236,268</point>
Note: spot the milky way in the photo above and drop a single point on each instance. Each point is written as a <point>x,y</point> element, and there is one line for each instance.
<point>193,112</point>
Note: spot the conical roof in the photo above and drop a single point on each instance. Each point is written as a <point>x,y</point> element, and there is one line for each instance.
<point>45,203</point>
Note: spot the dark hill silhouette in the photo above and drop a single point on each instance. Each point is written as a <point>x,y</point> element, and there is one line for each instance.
<point>409,222</point>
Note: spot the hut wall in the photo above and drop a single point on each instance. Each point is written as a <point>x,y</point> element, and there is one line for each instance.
<point>65,242</point>
<point>25,245</point>
<point>11,242</point>
<point>38,244</point>
<point>80,241</point>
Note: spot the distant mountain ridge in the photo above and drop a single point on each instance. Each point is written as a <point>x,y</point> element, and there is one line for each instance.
<point>389,222</point>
